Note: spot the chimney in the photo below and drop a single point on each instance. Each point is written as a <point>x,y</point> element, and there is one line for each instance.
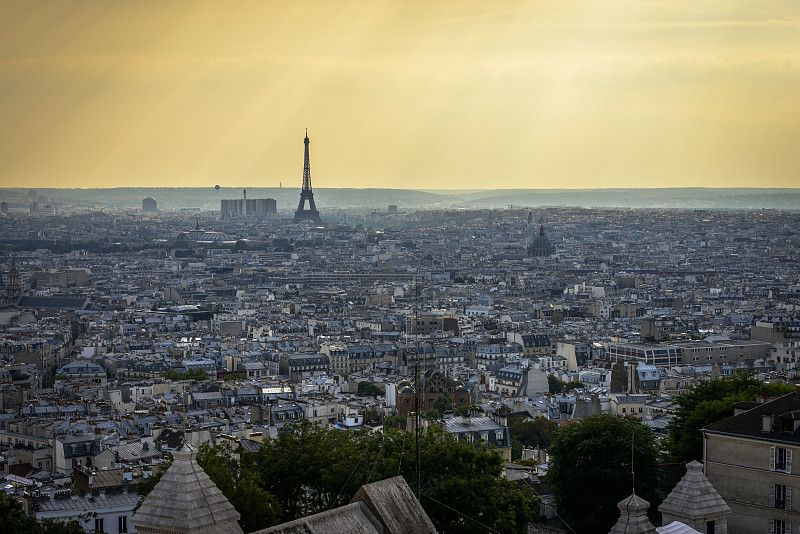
<point>767,419</point>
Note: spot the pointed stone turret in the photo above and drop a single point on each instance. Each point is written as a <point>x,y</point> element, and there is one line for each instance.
<point>633,517</point>
<point>185,501</point>
<point>695,502</point>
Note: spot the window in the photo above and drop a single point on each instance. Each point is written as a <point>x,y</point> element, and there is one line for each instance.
<point>780,496</point>
<point>98,524</point>
<point>780,459</point>
<point>122,523</point>
<point>710,527</point>
<point>780,527</point>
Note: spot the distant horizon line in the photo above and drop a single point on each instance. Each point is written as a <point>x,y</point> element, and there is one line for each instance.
<point>425,190</point>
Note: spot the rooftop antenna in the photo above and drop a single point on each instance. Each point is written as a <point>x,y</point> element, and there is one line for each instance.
<point>416,384</point>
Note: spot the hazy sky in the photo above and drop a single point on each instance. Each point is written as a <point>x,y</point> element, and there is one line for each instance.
<point>420,94</point>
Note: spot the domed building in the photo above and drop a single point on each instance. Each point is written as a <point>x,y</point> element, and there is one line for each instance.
<point>204,236</point>
<point>540,247</point>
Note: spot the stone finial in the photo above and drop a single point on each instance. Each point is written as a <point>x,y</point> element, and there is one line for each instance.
<point>185,501</point>
<point>633,517</point>
<point>695,502</point>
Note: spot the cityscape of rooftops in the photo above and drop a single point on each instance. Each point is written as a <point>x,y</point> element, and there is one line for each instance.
<point>399,267</point>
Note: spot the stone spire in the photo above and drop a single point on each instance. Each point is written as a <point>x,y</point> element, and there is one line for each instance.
<point>633,517</point>
<point>695,502</point>
<point>185,501</point>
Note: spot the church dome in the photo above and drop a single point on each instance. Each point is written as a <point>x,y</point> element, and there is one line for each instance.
<point>540,247</point>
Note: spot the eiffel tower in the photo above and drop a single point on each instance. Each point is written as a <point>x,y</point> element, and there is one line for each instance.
<point>310,214</point>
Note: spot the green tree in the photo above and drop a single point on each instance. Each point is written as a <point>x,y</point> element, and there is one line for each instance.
<point>12,516</point>
<point>442,402</point>
<point>192,374</point>
<point>559,386</point>
<point>707,402</point>
<point>394,421</point>
<point>147,485</point>
<point>310,469</point>
<point>537,432</point>
<point>590,469</point>
<point>282,245</point>
<point>56,526</point>
<point>239,375</point>
<point>433,414</point>
<point>13,519</point>
<point>240,485</point>
<point>554,384</point>
<point>368,389</point>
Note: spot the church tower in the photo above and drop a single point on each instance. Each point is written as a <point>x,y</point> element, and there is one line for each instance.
<point>13,284</point>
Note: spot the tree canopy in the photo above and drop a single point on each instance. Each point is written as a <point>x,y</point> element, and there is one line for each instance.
<point>557,386</point>
<point>537,432</point>
<point>240,486</point>
<point>13,519</point>
<point>707,402</point>
<point>368,389</point>
<point>308,469</point>
<point>590,469</point>
<point>192,374</point>
<point>440,404</point>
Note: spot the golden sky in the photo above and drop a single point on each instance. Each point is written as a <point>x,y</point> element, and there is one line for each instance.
<point>403,94</point>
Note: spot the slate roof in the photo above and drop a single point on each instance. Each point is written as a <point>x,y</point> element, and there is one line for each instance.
<point>87,502</point>
<point>749,423</point>
<point>75,303</point>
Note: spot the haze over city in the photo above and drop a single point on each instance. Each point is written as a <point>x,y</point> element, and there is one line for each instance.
<point>546,279</point>
<point>400,94</point>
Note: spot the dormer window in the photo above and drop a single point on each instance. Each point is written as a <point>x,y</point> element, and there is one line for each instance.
<point>787,425</point>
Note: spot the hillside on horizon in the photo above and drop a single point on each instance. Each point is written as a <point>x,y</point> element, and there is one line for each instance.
<point>207,198</point>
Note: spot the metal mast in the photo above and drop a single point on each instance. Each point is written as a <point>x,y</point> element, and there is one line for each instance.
<point>416,385</point>
<point>310,214</point>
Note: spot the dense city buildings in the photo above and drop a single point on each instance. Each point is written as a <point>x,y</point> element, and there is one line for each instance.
<point>124,333</point>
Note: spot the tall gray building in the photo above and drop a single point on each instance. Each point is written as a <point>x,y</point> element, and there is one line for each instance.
<point>263,208</point>
<point>149,204</point>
